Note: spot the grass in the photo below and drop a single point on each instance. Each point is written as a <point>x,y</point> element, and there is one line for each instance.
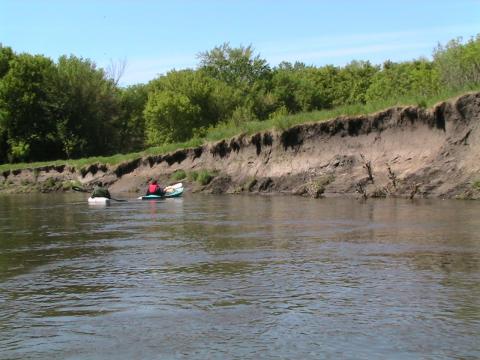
<point>203,177</point>
<point>228,130</point>
<point>476,185</point>
<point>178,175</point>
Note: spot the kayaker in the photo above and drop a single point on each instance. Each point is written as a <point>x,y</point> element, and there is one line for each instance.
<point>100,191</point>
<point>155,189</point>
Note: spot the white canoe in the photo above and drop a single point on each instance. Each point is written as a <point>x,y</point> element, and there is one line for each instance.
<point>98,201</point>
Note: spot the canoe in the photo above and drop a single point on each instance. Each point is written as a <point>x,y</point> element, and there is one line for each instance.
<point>98,201</point>
<point>175,193</point>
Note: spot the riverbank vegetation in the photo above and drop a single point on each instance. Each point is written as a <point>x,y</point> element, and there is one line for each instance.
<point>72,112</point>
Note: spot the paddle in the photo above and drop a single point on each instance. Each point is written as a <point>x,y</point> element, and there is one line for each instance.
<point>76,188</point>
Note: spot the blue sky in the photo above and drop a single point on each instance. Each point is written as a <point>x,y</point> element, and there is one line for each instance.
<point>154,37</point>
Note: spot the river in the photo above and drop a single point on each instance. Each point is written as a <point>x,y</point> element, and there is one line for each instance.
<point>238,277</point>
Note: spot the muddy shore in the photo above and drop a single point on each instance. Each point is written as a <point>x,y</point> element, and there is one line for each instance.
<point>401,151</point>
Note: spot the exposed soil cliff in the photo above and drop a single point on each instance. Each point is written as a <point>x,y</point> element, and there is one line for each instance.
<point>402,151</point>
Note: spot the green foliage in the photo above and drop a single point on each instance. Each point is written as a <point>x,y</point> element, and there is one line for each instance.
<point>88,105</point>
<point>178,175</point>
<point>6,55</point>
<point>241,115</point>
<point>235,66</point>
<point>204,177</point>
<point>417,78</point>
<point>19,150</point>
<point>72,109</point>
<point>200,101</point>
<point>459,64</point>
<point>130,122</point>
<point>280,119</point>
<point>192,176</point>
<point>28,113</point>
<point>170,117</point>
<point>353,83</point>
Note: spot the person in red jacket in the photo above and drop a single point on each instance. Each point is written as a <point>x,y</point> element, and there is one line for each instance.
<point>155,189</point>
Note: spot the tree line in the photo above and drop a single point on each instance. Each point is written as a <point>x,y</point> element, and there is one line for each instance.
<point>71,108</point>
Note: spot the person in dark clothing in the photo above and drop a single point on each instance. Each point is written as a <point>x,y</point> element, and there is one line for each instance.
<point>100,191</point>
<point>155,189</point>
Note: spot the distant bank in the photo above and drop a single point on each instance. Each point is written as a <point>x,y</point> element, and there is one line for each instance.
<point>401,151</point>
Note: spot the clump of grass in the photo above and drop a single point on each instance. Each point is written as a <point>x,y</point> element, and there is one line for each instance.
<point>205,177</point>
<point>178,175</point>
<point>192,176</point>
<point>476,185</point>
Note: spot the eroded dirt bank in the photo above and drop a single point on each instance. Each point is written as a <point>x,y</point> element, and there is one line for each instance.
<point>402,151</point>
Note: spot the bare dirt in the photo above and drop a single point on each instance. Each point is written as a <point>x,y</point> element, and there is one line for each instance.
<point>402,151</point>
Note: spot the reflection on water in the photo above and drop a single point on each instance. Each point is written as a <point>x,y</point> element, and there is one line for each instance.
<point>238,277</point>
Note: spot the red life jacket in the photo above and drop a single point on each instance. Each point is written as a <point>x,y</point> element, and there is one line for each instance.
<point>152,188</point>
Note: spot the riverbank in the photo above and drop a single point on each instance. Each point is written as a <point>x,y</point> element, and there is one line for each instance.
<point>401,151</point>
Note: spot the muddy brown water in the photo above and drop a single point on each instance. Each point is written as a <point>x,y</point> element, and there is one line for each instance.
<point>214,277</point>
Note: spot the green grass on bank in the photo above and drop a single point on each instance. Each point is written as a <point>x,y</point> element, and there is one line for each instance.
<point>228,130</point>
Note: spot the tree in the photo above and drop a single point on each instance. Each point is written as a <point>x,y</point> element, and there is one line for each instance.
<point>170,117</point>
<point>87,107</point>
<point>235,66</point>
<point>458,64</point>
<point>354,80</point>
<point>27,112</point>
<point>6,55</point>
<point>130,122</point>
<point>301,88</point>
<point>214,99</point>
<point>417,78</point>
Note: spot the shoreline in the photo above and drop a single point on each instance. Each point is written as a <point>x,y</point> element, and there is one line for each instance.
<point>399,152</point>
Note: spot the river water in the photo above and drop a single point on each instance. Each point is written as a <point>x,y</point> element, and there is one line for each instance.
<point>239,277</point>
